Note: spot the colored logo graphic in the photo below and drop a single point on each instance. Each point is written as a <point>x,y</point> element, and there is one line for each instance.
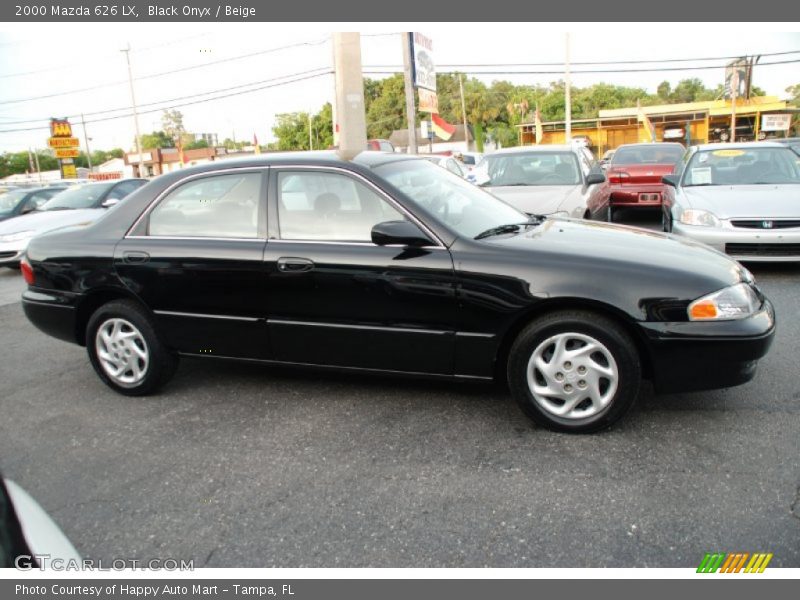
<point>734,562</point>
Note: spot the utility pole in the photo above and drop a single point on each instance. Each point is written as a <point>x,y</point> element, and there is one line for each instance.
<point>349,81</point>
<point>310,138</point>
<point>411,111</point>
<point>127,52</point>
<point>734,90</point>
<point>86,140</point>
<point>463,111</point>
<point>36,160</point>
<point>567,97</point>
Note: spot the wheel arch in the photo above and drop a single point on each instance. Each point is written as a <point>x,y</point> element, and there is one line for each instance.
<point>95,300</point>
<point>550,305</point>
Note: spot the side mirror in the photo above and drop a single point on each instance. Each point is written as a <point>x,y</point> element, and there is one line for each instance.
<point>27,209</point>
<point>595,177</point>
<point>109,202</point>
<point>399,233</point>
<point>671,179</point>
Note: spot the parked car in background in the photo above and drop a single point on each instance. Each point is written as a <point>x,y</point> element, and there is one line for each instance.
<point>447,162</point>
<point>79,205</point>
<point>380,145</point>
<point>793,143</point>
<point>543,180</point>
<point>392,264</point>
<point>742,199</point>
<point>22,201</point>
<point>606,158</point>
<point>634,178</point>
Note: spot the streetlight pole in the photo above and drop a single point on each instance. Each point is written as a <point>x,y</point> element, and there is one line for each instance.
<point>411,111</point>
<point>86,141</point>
<point>463,111</point>
<point>127,52</point>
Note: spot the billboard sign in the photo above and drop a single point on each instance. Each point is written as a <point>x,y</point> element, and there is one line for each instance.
<point>422,61</point>
<point>428,101</point>
<point>776,122</point>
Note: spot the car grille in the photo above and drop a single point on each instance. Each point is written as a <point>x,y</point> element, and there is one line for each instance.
<point>766,223</point>
<point>4,255</point>
<point>763,249</point>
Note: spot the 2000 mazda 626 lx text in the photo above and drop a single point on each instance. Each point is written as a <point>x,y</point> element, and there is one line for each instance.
<point>388,263</point>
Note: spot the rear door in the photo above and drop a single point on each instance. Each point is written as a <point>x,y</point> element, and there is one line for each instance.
<point>196,259</point>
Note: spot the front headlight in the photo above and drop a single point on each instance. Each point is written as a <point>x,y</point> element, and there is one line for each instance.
<point>735,302</point>
<point>703,218</point>
<point>18,236</point>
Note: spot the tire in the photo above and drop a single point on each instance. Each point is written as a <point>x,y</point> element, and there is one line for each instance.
<point>125,350</point>
<point>666,221</point>
<point>610,213</point>
<point>603,386</point>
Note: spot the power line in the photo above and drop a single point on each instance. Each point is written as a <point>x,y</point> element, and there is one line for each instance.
<point>163,73</point>
<point>584,71</point>
<point>195,95</point>
<point>154,110</point>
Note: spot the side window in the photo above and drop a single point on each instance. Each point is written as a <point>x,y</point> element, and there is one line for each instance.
<point>39,198</point>
<point>453,167</point>
<point>215,206</point>
<point>123,189</point>
<point>329,206</point>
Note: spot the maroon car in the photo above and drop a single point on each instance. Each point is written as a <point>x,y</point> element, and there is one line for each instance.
<point>633,178</point>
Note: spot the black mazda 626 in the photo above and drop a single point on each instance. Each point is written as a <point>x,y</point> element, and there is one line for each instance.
<point>392,264</point>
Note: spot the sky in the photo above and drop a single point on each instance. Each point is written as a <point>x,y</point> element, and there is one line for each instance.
<point>42,66</point>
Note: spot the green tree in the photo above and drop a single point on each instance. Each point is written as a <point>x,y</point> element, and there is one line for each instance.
<point>157,139</point>
<point>194,145</point>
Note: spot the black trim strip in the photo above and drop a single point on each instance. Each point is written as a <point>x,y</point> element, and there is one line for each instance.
<point>170,313</point>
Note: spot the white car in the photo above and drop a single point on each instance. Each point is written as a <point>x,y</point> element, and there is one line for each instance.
<point>542,180</point>
<point>742,199</point>
<point>446,162</point>
<point>79,205</point>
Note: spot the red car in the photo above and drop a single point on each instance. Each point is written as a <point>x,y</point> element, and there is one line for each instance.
<point>633,178</point>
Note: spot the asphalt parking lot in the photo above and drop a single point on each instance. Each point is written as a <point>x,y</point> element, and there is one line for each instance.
<point>240,465</point>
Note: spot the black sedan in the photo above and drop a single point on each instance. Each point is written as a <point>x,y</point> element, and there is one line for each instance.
<point>391,264</point>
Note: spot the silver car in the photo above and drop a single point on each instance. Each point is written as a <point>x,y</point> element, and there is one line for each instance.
<point>742,199</point>
<point>543,180</point>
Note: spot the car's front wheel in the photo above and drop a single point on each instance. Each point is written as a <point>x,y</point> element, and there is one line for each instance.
<point>125,350</point>
<point>574,371</point>
<point>666,221</point>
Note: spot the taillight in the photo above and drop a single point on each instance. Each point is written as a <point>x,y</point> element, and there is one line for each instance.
<point>27,271</point>
<point>618,177</point>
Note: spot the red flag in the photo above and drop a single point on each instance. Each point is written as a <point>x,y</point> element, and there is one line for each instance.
<point>442,128</point>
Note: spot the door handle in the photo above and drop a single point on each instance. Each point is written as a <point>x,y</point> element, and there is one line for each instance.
<point>135,258</point>
<point>294,265</point>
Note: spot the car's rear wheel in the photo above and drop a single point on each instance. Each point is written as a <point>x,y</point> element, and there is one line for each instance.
<point>666,221</point>
<point>125,350</point>
<point>610,213</point>
<point>574,371</point>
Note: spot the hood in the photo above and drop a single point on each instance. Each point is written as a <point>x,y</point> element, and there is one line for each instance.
<point>539,199</point>
<point>736,201</point>
<point>627,254</point>
<point>50,219</point>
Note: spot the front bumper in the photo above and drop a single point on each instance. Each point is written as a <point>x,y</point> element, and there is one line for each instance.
<point>54,313</point>
<point>12,252</point>
<point>693,356</point>
<point>748,245</point>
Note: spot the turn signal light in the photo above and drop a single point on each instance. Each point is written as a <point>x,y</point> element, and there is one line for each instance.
<point>703,310</point>
<point>27,271</point>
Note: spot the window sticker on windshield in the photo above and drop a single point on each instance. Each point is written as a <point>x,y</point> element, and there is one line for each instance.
<point>728,153</point>
<point>702,158</point>
<point>701,175</point>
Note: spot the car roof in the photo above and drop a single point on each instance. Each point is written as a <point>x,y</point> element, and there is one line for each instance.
<point>539,148</point>
<point>738,145</point>
<point>651,144</point>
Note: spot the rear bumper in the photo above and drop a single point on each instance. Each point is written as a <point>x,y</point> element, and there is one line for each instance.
<point>631,196</point>
<point>53,313</point>
<point>694,356</point>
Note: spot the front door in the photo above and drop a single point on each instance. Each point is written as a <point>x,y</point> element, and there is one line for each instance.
<point>334,297</point>
<point>197,261</point>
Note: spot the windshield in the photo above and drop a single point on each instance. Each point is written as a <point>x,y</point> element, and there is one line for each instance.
<point>655,154</point>
<point>11,199</point>
<point>743,166</point>
<point>528,168</point>
<point>85,196</point>
<point>460,205</point>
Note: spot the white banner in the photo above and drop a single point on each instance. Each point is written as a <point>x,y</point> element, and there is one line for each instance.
<point>424,69</point>
<point>778,122</point>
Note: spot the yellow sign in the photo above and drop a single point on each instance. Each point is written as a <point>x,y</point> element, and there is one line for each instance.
<point>728,153</point>
<point>63,142</point>
<point>67,152</point>
<point>60,128</point>
<point>69,172</point>
<point>428,101</point>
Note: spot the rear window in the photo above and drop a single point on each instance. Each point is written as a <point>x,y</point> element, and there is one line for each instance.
<point>648,155</point>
